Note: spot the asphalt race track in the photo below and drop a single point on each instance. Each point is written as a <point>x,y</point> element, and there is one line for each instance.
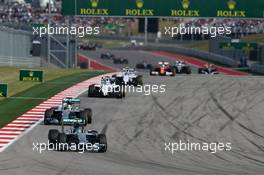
<point>194,108</point>
<point>133,57</point>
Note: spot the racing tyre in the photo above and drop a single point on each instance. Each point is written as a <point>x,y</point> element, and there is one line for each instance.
<point>149,66</point>
<point>53,135</point>
<point>139,66</point>
<point>62,138</point>
<point>119,81</point>
<point>84,117</point>
<point>200,70</point>
<point>102,140</point>
<point>91,91</point>
<point>89,112</point>
<point>119,94</point>
<point>72,139</point>
<point>89,119</point>
<point>48,114</point>
<point>139,81</point>
<point>188,70</point>
<point>103,56</point>
<point>124,93</point>
<point>173,72</point>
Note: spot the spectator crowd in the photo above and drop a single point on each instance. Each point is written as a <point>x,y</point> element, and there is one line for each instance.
<point>25,13</point>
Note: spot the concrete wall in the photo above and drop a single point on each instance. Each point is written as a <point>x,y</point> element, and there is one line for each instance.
<point>14,43</point>
<point>261,54</point>
<point>15,46</point>
<point>257,68</point>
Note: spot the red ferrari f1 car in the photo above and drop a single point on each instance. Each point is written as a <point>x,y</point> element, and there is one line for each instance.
<point>163,69</point>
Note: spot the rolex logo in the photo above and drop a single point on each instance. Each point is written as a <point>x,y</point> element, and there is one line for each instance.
<point>31,74</point>
<point>185,4</point>
<point>140,3</point>
<point>231,4</point>
<point>94,3</point>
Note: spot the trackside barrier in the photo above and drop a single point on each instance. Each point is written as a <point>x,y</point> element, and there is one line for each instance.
<point>189,52</point>
<point>257,68</point>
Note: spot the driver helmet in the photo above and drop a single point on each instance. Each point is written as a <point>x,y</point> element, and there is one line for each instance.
<point>69,107</point>
<point>64,106</point>
<point>77,128</point>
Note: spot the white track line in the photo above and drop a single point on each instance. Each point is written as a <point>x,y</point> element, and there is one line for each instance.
<point>11,124</point>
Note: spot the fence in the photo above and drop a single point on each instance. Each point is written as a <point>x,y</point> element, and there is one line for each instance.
<point>15,47</point>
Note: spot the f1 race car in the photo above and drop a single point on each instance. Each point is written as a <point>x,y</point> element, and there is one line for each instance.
<point>120,60</point>
<point>144,65</point>
<point>163,69</point>
<point>107,88</point>
<point>79,137</point>
<point>182,67</point>
<point>68,112</point>
<point>208,69</point>
<point>128,76</point>
<point>107,55</point>
<point>87,46</point>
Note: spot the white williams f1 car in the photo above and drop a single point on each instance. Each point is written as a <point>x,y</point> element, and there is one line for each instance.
<point>208,69</point>
<point>107,88</point>
<point>182,68</point>
<point>128,76</point>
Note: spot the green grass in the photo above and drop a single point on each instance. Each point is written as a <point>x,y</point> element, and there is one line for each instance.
<point>199,45</point>
<point>11,108</point>
<point>113,44</point>
<point>10,76</point>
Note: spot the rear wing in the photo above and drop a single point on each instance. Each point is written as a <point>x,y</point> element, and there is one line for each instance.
<point>163,63</point>
<point>71,100</point>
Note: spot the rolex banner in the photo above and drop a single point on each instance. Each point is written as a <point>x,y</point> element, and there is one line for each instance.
<point>239,46</point>
<point>168,8</point>
<point>31,75</point>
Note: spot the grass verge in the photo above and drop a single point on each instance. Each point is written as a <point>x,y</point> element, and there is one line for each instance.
<point>11,108</point>
<point>10,75</point>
